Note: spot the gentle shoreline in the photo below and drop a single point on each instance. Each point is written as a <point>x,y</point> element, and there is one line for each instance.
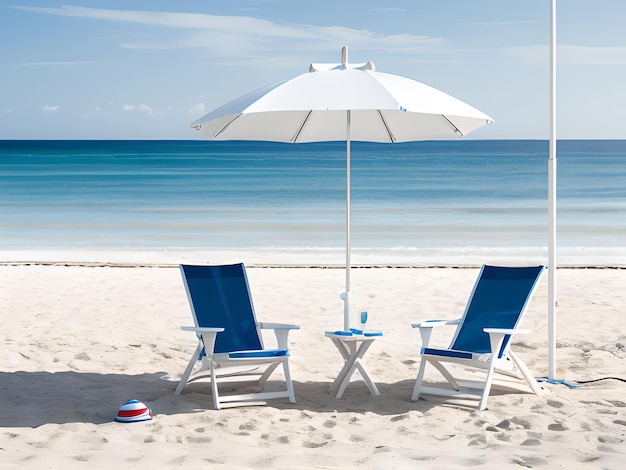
<point>579,257</point>
<point>97,264</point>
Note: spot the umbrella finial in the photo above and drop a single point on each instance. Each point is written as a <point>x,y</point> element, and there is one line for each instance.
<point>344,55</point>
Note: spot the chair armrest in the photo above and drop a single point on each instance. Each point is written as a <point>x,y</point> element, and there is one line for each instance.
<point>200,329</point>
<point>278,326</point>
<point>426,328</point>
<point>505,331</point>
<point>496,337</point>
<point>206,336</point>
<point>281,330</point>
<point>434,323</point>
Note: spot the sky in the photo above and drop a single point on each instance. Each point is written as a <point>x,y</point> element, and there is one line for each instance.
<point>131,69</point>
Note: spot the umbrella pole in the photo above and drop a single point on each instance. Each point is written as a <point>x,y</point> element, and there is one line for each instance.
<point>346,299</point>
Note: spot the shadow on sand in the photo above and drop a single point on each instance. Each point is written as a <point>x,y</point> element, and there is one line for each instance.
<point>32,399</point>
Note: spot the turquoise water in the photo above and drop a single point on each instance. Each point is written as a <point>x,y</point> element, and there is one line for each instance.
<point>249,194</point>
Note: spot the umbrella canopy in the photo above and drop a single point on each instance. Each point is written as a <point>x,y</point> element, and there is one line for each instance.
<point>312,108</point>
<point>343,102</point>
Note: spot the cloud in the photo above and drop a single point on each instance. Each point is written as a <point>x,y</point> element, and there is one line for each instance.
<point>235,40</point>
<point>60,63</point>
<point>569,54</point>
<point>146,109</point>
<point>51,108</point>
<point>387,9</point>
<point>142,107</point>
<point>591,55</point>
<point>165,19</point>
<point>238,38</point>
<point>197,109</point>
<point>501,23</point>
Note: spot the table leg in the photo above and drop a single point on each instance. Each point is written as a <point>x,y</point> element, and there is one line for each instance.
<point>353,356</point>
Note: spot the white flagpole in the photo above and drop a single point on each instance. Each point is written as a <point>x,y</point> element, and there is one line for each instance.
<point>552,266</point>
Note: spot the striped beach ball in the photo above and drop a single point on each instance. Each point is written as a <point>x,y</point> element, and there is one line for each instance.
<point>133,410</point>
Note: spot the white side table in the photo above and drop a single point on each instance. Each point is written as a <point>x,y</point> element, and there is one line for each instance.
<point>352,348</point>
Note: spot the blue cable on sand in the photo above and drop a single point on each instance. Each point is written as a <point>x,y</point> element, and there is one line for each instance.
<point>576,384</point>
<point>567,383</point>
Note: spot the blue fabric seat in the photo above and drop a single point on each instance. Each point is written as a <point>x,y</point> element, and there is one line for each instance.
<point>265,353</point>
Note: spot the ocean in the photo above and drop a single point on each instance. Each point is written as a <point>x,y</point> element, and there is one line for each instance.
<point>200,194</point>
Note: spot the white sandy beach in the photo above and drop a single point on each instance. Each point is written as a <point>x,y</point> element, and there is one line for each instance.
<point>81,338</point>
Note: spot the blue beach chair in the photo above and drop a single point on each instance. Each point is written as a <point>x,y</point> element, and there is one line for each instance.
<point>483,334</point>
<point>230,347</point>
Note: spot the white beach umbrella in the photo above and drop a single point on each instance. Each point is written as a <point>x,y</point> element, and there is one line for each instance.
<point>343,102</point>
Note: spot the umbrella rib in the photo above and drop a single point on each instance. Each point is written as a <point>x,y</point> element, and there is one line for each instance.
<point>295,139</point>
<point>225,126</point>
<point>382,118</point>
<point>456,129</point>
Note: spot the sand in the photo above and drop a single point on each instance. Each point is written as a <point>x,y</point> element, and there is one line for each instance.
<point>79,339</point>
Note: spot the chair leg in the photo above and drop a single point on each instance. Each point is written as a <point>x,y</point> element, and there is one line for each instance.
<point>214,390</point>
<point>446,374</point>
<point>289,383</point>
<point>483,399</point>
<point>530,379</point>
<point>188,370</point>
<point>266,374</point>
<point>418,381</point>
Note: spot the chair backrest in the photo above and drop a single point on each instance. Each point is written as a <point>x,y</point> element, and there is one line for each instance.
<point>498,300</point>
<point>220,298</point>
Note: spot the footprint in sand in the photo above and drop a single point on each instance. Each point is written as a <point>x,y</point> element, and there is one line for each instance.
<point>381,449</point>
<point>199,439</point>
<point>155,428</point>
<point>314,445</point>
<point>555,404</point>
<point>477,440</point>
<point>505,424</point>
<point>399,418</point>
<point>531,442</point>
<point>521,422</point>
<point>590,459</point>
<point>619,404</point>
<point>610,439</point>
<point>529,462</point>
<point>249,426</point>
<point>557,427</point>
